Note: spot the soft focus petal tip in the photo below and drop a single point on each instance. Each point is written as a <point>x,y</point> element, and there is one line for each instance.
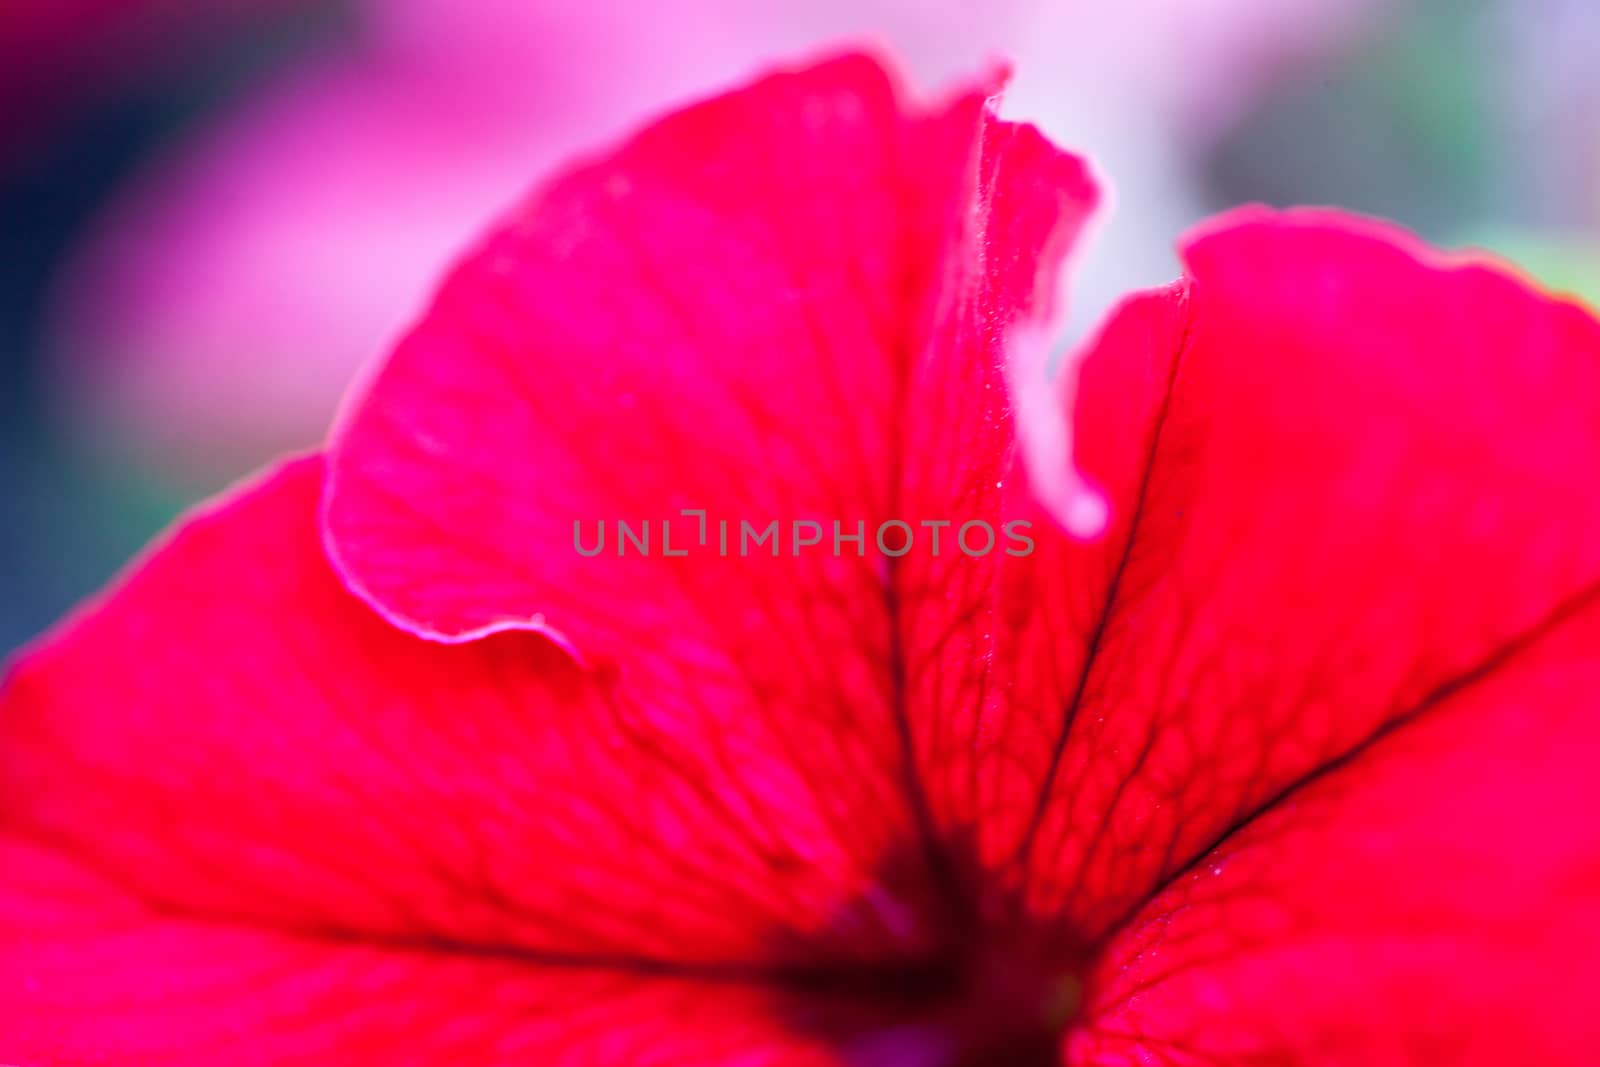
<point>1043,402</point>
<point>1205,243</point>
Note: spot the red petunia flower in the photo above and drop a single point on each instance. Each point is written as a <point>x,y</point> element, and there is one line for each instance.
<point>1290,764</point>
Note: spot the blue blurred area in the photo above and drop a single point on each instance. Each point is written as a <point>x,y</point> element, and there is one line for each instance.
<point>69,519</point>
<point>64,525</point>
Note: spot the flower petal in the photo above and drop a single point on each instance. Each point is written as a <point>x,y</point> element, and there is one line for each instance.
<point>987,544</point>
<point>248,772</point>
<point>1367,484</point>
<point>92,974</point>
<point>793,303</point>
<point>1434,898</point>
<point>727,314</point>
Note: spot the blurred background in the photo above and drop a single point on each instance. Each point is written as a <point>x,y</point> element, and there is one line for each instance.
<point>213,211</point>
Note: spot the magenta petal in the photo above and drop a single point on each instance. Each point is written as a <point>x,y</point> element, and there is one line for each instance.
<point>240,817</point>
<point>792,303</point>
<point>725,316</point>
<point>312,746</point>
<point>1350,482</point>
<point>1434,898</point>
<point>92,974</point>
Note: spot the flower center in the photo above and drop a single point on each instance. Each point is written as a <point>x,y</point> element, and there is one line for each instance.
<point>983,988</point>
